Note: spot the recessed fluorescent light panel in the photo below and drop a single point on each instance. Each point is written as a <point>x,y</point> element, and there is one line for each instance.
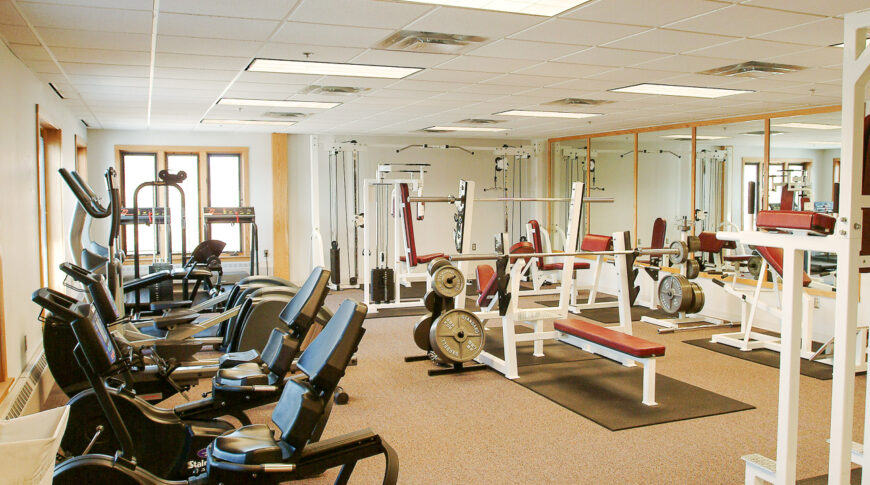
<point>277,103</point>
<point>697,137</point>
<point>247,122</point>
<point>463,128</point>
<point>809,126</point>
<point>547,114</point>
<point>330,68</point>
<point>546,8</point>
<point>674,90</point>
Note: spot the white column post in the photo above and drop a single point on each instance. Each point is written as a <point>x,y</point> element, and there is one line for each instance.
<point>789,367</point>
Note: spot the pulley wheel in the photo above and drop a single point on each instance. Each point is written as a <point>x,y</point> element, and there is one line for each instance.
<point>680,254</point>
<point>694,243</point>
<point>693,269</point>
<point>447,281</point>
<point>675,294</point>
<point>435,264</point>
<point>421,333</point>
<point>457,336</point>
<point>698,298</point>
<point>754,266</point>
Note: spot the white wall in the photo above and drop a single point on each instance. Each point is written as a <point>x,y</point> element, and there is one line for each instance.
<point>101,155</point>
<point>19,249</point>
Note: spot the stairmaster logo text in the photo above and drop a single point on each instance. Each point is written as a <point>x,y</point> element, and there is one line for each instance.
<point>196,467</point>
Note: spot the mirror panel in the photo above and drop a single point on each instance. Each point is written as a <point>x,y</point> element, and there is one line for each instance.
<point>612,175</point>
<point>568,165</point>
<point>664,182</point>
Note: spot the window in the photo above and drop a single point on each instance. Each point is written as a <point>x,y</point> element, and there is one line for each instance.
<point>214,178</point>
<point>47,162</point>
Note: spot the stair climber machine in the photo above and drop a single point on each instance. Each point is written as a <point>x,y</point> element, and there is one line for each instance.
<point>174,449</point>
<point>171,438</point>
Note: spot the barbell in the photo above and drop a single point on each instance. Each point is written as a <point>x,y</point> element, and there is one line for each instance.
<point>452,198</point>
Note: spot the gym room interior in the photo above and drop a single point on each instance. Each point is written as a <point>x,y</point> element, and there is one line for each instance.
<point>434,241</point>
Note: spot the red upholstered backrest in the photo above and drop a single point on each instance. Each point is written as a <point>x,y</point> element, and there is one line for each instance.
<point>596,242</point>
<point>658,234</point>
<point>709,243</point>
<point>536,240</point>
<point>486,284</point>
<point>800,220</point>
<point>773,256</point>
<point>522,247</point>
<point>865,190</point>
<point>408,222</point>
<point>786,201</point>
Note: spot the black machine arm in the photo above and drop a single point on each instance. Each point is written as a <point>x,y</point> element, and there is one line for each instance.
<point>85,195</point>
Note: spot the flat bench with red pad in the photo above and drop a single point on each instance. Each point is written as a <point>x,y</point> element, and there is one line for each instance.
<point>408,221</point>
<point>796,220</point>
<point>627,344</point>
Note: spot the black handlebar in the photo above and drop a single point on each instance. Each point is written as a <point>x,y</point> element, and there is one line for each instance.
<point>85,195</point>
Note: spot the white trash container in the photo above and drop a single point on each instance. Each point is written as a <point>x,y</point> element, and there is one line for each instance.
<point>29,444</point>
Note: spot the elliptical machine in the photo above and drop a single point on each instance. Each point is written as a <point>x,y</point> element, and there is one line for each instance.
<point>250,453</point>
<point>169,439</point>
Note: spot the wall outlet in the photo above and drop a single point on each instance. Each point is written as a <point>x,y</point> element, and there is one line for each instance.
<point>473,246</point>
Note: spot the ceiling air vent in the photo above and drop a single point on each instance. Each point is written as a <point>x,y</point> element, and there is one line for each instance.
<point>480,121</point>
<point>343,90</point>
<point>432,42</point>
<point>753,69</point>
<point>283,114</point>
<point>578,102</point>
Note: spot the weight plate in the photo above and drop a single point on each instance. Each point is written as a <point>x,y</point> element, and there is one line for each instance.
<point>675,294</point>
<point>457,336</point>
<point>698,298</point>
<point>754,266</point>
<point>447,281</point>
<point>429,301</point>
<point>421,333</point>
<point>694,243</point>
<point>681,253</point>
<point>693,269</point>
<point>435,264</point>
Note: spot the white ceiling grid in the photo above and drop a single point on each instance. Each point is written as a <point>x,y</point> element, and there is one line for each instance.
<point>98,52</point>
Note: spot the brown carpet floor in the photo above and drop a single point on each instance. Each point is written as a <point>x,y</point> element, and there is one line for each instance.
<point>480,427</point>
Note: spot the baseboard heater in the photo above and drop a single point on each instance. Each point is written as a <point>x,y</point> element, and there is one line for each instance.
<point>29,390</point>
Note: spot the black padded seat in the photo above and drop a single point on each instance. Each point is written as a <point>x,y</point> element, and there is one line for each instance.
<point>250,445</point>
<point>249,374</point>
<point>197,274</point>
<point>232,359</point>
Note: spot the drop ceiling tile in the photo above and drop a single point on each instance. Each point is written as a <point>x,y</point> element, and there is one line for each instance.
<point>83,81</point>
<point>823,56</point>
<point>685,63</point>
<point>742,21</point>
<point>817,75</point>
<point>427,85</point>
<point>632,75</point>
<point>604,56</point>
<point>18,34</point>
<point>87,69</point>
<point>262,91</point>
<point>525,80</point>
<point>101,56</point>
<point>391,15</point>
<point>669,41</point>
<point>9,15</point>
<point>209,47</point>
<point>42,67</point>
<point>488,64</point>
<point>182,84</point>
<point>491,89</point>
<point>395,58</point>
<point>749,50</point>
<point>214,27</point>
<point>563,69</point>
<point>29,52</point>
<point>769,84</point>
<point>330,35</point>
<point>191,61</point>
<point>492,25</point>
<point>93,90</point>
<point>183,73</point>
<point>116,4</point>
<point>395,93</point>
<point>276,50</point>
<point>700,80</point>
<point>651,13</point>
<point>261,9</point>
<point>577,32</point>
<point>821,33</point>
<point>88,39</point>
<point>357,82</point>
<point>456,95</point>
<point>588,84</point>
<point>520,49</point>
<point>276,78</point>
<point>85,18</point>
<point>447,75</point>
<point>828,7</point>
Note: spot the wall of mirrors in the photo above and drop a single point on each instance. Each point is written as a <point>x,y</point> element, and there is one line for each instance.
<point>792,157</point>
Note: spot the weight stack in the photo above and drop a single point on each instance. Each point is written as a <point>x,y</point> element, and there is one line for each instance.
<point>335,265</point>
<point>382,285</point>
<point>161,291</point>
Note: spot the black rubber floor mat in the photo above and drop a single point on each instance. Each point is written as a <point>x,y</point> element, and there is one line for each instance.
<point>611,315</point>
<point>554,351</point>
<point>610,394</point>
<point>766,357</point>
<point>823,479</point>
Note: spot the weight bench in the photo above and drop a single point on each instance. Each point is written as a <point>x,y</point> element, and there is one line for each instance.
<point>628,350</point>
<point>714,251</point>
<point>487,283</point>
<point>593,242</point>
<point>411,258</point>
<point>542,271</point>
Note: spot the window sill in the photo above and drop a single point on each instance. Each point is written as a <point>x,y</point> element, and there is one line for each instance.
<point>177,260</point>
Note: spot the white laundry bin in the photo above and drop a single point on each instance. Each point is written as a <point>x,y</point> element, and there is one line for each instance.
<point>29,444</point>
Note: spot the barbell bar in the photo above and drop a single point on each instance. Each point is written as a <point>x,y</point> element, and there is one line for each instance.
<point>452,199</point>
<point>636,252</point>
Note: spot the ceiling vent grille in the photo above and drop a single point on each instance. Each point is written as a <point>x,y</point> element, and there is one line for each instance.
<point>283,114</point>
<point>341,90</point>
<point>480,121</point>
<point>578,102</point>
<point>431,42</point>
<point>761,133</point>
<point>753,69</point>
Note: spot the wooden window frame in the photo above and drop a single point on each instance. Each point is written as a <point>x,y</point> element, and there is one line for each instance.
<point>161,160</point>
